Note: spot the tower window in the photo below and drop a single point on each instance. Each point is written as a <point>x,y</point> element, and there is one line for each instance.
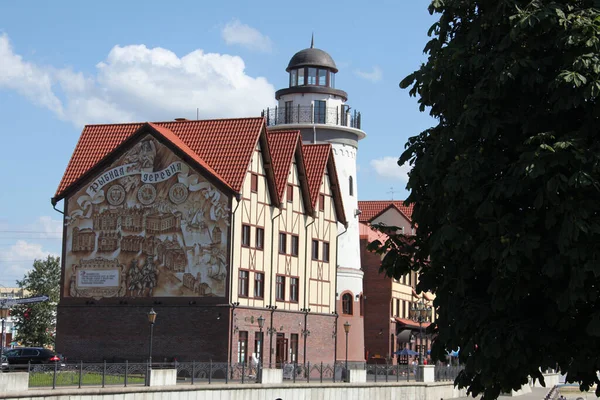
<point>312,76</point>
<point>301,77</point>
<point>293,77</point>
<point>320,109</point>
<point>322,77</point>
<point>347,304</point>
<point>332,79</point>
<point>350,186</point>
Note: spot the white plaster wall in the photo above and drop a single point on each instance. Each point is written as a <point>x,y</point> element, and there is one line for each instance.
<point>306,99</point>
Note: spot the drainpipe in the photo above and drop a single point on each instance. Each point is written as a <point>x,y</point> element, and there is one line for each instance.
<point>271,306</point>
<point>238,197</point>
<point>337,315</point>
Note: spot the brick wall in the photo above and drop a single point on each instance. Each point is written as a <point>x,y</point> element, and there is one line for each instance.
<point>378,291</point>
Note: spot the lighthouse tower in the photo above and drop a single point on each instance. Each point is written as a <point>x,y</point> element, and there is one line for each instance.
<point>312,104</point>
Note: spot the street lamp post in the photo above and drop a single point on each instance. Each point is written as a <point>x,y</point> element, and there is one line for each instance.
<point>261,324</point>
<point>3,316</point>
<point>420,312</point>
<point>151,320</point>
<point>347,330</point>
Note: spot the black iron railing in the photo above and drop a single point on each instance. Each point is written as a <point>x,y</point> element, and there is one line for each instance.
<point>340,116</point>
<point>136,374</point>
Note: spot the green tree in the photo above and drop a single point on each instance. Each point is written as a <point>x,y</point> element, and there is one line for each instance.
<point>36,322</point>
<point>506,189</point>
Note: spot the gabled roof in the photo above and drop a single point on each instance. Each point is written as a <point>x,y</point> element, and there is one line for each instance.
<point>226,145</point>
<point>317,159</point>
<point>282,145</point>
<point>372,209</point>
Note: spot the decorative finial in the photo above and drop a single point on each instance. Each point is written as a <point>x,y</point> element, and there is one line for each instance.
<point>312,40</point>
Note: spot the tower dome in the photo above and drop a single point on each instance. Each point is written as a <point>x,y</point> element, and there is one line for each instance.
<point>312,57</point>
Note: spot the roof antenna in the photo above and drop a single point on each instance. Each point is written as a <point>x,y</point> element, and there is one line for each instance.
<point>392,191</point>
<point>312,40</point>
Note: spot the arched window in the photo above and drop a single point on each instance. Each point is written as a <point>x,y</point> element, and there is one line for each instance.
<point>347,304</point>
<point>350,186</point>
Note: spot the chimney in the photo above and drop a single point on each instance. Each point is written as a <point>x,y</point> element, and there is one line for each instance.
<point>180,119</point>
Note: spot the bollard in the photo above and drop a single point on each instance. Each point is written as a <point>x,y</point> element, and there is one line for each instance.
<point>103,373</point>
<point>194,372</point>
<point>126,371</point>
<point>80,373</point>
<point>54,376</point>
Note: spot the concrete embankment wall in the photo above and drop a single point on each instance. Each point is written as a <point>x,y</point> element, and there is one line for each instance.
<point>321,391</point>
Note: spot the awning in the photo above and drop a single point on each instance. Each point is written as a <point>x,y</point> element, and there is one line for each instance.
<point>404,336</point>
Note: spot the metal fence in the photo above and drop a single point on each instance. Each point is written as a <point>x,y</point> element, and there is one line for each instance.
<point>136,374</point>
<point>340,116</point>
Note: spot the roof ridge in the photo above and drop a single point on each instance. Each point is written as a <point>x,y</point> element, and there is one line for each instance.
<point>173,121</point>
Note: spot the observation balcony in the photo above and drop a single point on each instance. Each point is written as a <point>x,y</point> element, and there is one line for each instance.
<point>337,116</point>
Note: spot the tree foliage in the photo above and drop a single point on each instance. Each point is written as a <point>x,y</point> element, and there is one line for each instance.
<point>36,322</point>
<point>506,189</point>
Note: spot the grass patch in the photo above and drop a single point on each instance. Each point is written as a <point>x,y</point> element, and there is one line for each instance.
<point>68,378</point>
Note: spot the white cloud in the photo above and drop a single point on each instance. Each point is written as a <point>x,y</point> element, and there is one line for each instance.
<point>237,33</point>
<point>32,241</point>
<point>387,167</point>
<point>374,76</point>
<point>135,83</point>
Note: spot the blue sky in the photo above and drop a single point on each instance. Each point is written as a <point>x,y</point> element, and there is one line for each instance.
<point>68,63</point>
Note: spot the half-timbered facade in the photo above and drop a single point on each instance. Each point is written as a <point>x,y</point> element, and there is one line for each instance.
<point>211,223</point>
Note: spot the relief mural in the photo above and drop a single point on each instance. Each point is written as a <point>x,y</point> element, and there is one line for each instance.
<point>148,226</point>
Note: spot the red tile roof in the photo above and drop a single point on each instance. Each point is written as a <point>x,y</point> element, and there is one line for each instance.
<point>315,160</point>
<point>224,144</point>
<point>282,145</point>
<point>371,209</point>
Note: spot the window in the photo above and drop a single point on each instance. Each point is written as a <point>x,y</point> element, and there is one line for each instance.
<point>301,77</point>
<point>243,283</point>
<point>293,77</point>
<point>280,288</point>
<point>260,238</point>
<point>295,245</point>
<point>332,79</point>
<point>321,202</point>
<point>294,347</point>
<point>315,249</point>
<point>322,77</point>
<point>259,285</point>
<point>350,186</point>
<point>320,107</point>
<point>242,346</point>
<point>294,290</point>
<point>347,304</point>
<point>282,243</point>
<point>254,183</point>
<point>289,112</point>
<point>312,76</point>
<point>361,304</point>
<point>258,339</point>
<point>290,193</point>
<point>326,252</point>
<point>397,307</point>
<point>245,235</point>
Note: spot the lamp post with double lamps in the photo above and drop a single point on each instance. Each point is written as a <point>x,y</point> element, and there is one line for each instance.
<point>151,320</point>
<point>420,312</point>
<point>261,324</point>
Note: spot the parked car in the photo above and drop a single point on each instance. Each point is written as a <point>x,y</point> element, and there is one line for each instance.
<point>34,355</point>
<point>4,363</point>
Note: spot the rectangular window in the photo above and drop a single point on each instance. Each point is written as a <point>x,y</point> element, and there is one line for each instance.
<point>315,249</point>
<point>254,183</point>
<point>245,235</point>
<point>289,112</point>
<point>242,346</point>
<point>301,77</point>
<point>320,108</point>
<point>282,243</point>
<point>294,347</point>
<point>295,245</point>
<point>332,80</point>
<point>294,290</point>
<point>260,238</point>
<point>258,340</point>
<point>398,308</point>
<point>293,78</point>
<point>259,285</point>
<point>290,193</point>
<point>312,76</point>
<point>322,77</point>
<point>321,202</point>
<point>326,252</point>
<point>280,288</point>
<point>243,284</point>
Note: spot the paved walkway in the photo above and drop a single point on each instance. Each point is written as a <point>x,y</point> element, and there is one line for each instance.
<point>537,393</point>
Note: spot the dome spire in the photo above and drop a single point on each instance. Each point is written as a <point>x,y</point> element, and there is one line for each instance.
<point>312,40</point>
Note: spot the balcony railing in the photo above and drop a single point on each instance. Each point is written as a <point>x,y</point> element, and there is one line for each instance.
<point>339,116</point>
